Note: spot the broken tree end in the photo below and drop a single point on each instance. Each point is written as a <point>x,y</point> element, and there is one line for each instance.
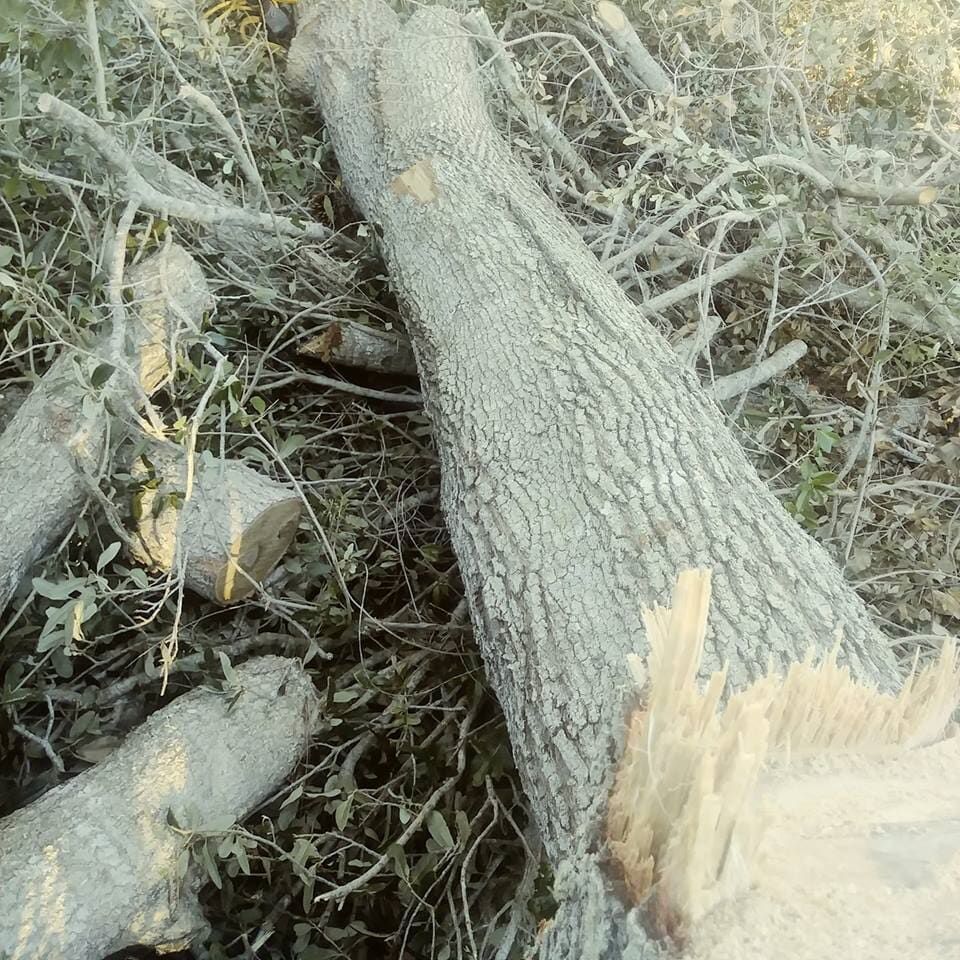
<point>729,810</point>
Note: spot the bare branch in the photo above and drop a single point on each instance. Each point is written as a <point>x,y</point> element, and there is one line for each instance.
<point>620,30</point>
<point>535,119</point>
<point>735,384</point>
<point>99,76</point>
<point>162,203</point>
<point>204,102</point>
<point>690,347</point>
<point>737,266</point>
<point>414,399</point>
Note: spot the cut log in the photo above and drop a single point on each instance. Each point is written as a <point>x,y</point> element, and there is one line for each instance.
<point>96,865</point>
<point>583,466</point>
<point>354,345</point>
<point>52,450</point>
<point>225,528</point>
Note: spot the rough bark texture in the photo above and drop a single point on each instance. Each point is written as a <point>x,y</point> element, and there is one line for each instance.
<point>227,536</point>
<point>583,465</point>
<point>92,866</point>
<point>51,451</point>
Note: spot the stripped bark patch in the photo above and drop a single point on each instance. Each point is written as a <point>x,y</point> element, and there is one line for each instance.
<point>417,181</point>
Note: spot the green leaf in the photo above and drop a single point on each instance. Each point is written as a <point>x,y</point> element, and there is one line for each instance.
<point>425,865</point>
<point>303,850</point>
<point>62,663</point>
<point>50,639</point>
<point>463,826</point>
<point>399,859</point>
<point>210,864</point>
<point>294,794</point>
<point>291,444</point>
<point>229,674</point>
<point>108,554</point>
<point>342,814</point>
<point>6,254</point>
<point>286,816</point>
<point>827,439</point>
<point>56,591</point>
<point>102,374</point>
<point>241,854</point>
<point>439,830</point>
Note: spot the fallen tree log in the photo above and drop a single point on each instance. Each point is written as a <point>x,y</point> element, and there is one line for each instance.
<point>52,450</point>
<point>222,525</point>
<point>97,865</point>
<point>583,465</point>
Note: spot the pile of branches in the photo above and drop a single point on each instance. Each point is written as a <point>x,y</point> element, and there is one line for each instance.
<point>777,197</point>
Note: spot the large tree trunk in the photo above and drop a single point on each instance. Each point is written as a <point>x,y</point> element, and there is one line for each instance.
<point>583,465</point>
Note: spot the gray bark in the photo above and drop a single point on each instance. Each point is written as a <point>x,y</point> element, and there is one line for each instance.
<point>583,466</point>
<point>621,31</point>
<point>93,866</point>
<point>227,536</point>
<point>52,450</point>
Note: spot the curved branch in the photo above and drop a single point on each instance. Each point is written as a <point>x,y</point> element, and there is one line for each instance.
<point>211,215</point>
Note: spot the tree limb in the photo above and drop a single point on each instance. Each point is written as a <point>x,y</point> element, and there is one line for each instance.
<point>621,32</point>
<point>165,204</point>
<point>95,866</point>
<point>582,464</point>
<point>735,384</point>
<point>59,435</point>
